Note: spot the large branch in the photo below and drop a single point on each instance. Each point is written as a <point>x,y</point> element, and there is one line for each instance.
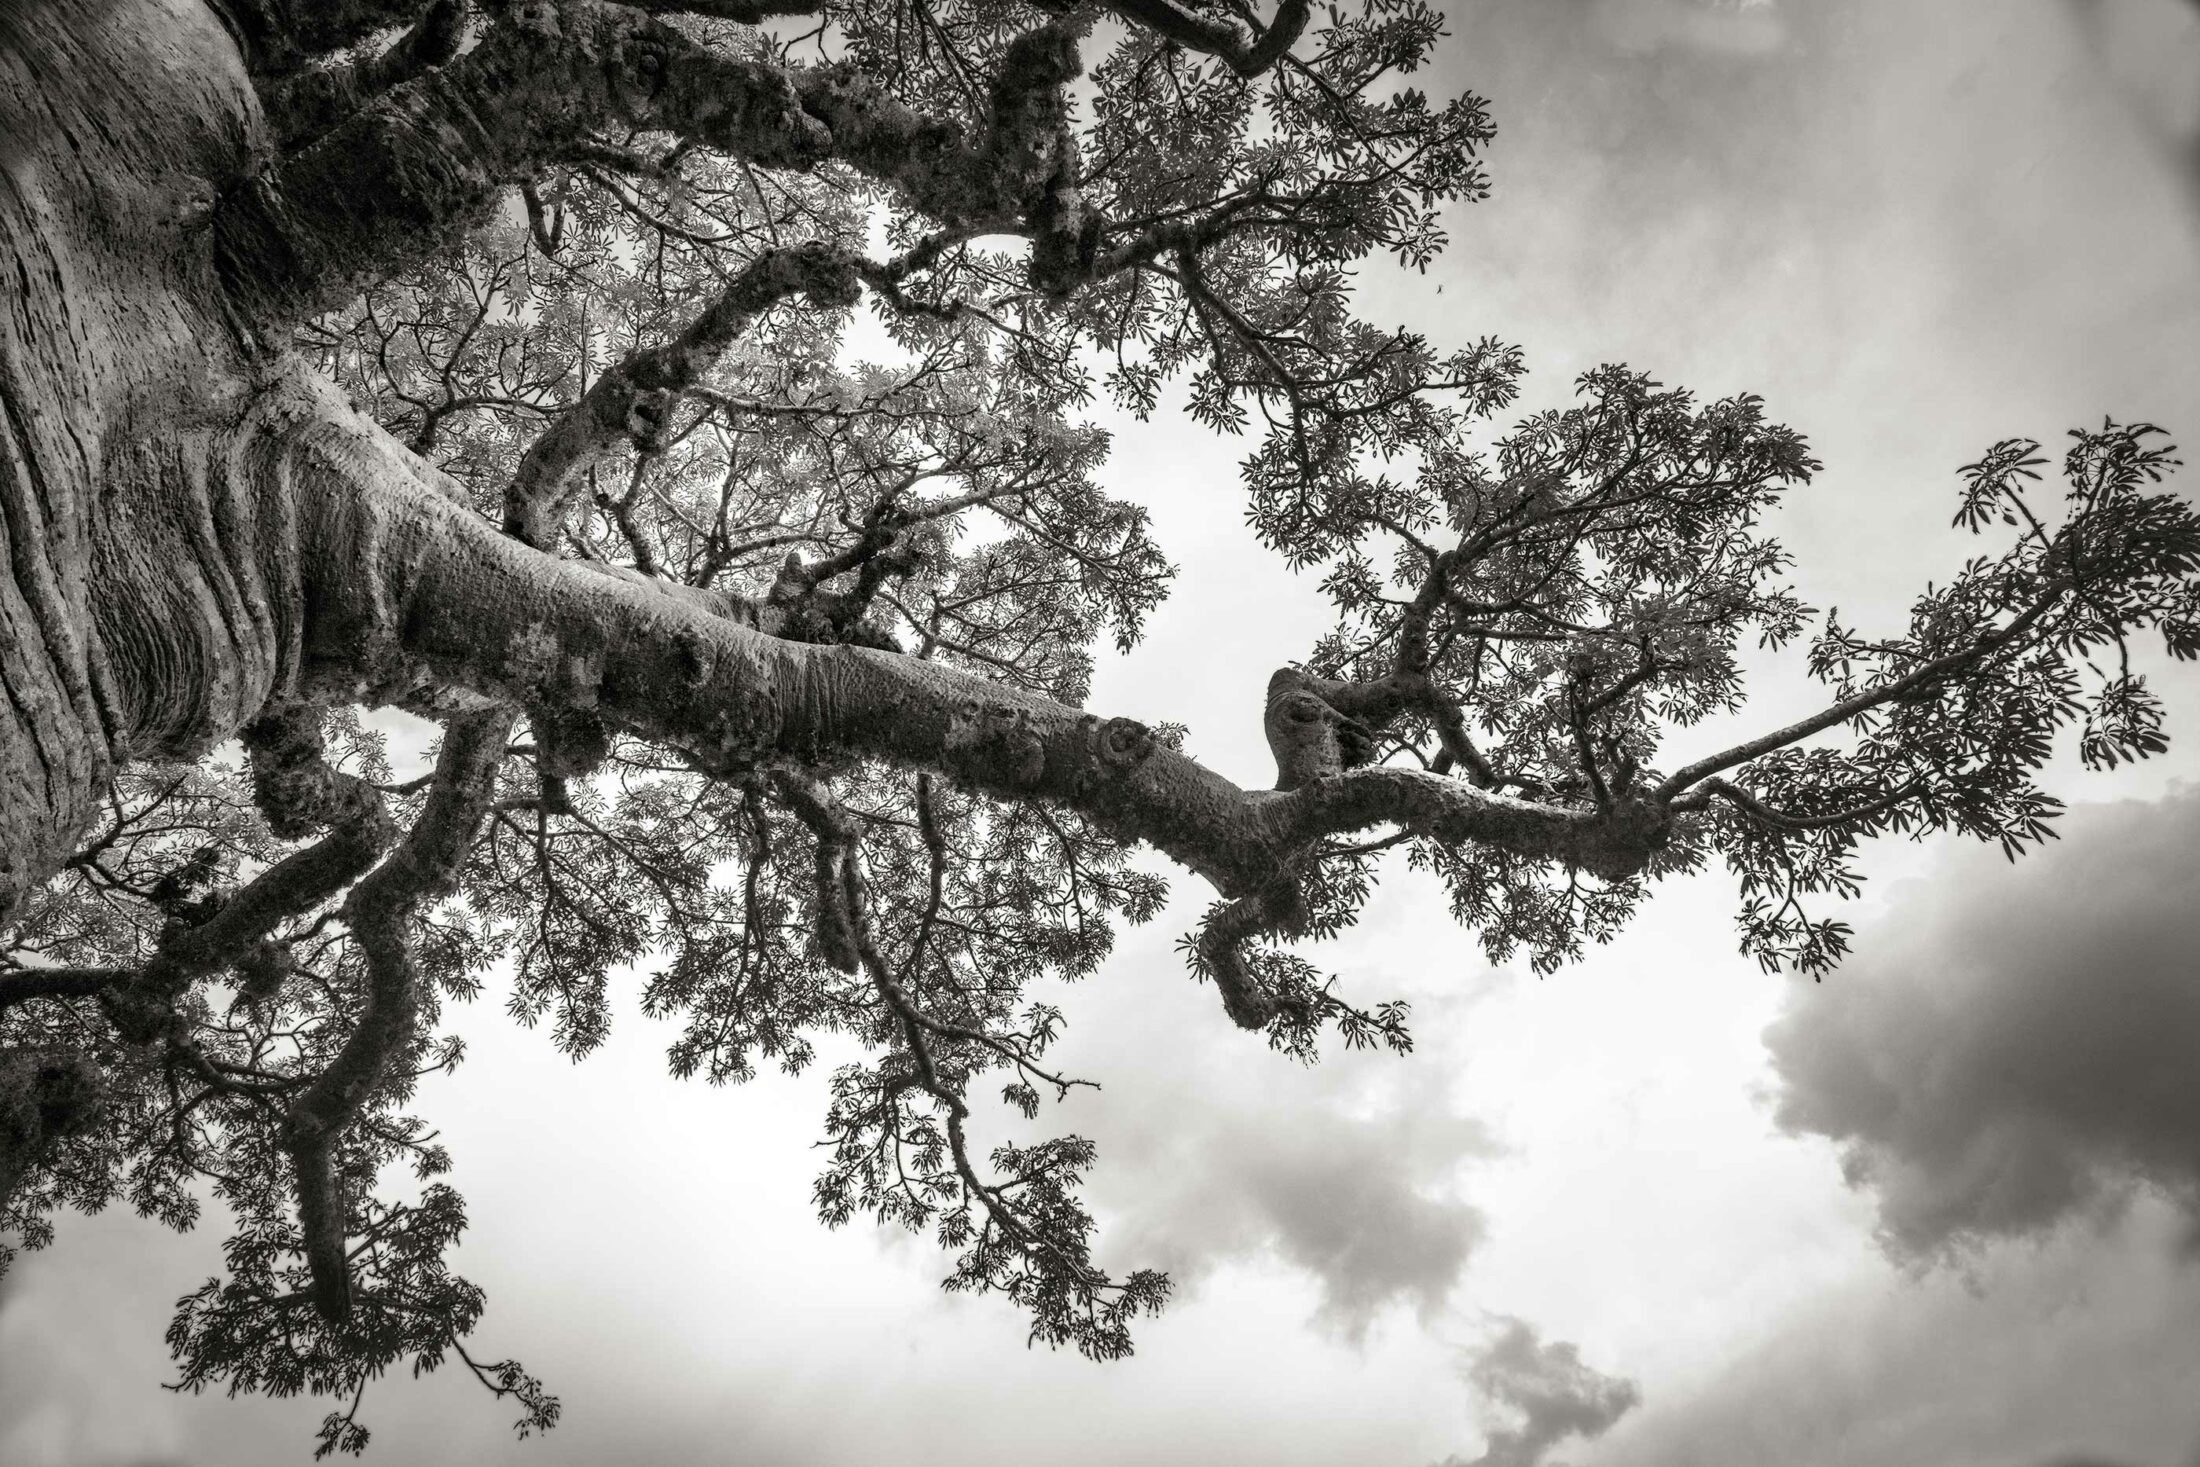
<point>278,37</point>
<point>403,576</point>
<point>28,983</point>
<point>426,159</point>
<point>305,105</point>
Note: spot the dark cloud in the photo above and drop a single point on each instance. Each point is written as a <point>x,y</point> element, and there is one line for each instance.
<point>2015,1047</point>
<point>1547,1386</point>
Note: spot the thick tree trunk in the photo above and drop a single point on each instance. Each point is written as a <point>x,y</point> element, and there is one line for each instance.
<point>137,613</point>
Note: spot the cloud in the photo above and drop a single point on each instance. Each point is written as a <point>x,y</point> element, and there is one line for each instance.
<point>2015,1047</point>
<point>2079,1350</point>
<point>1347,1173</point>
<point>2151,51</point>
<point>1728,27</point>
<point>1555,1395</point>
<point>78,1387</point>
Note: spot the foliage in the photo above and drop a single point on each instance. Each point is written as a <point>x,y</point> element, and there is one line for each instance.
<point>1527,612</point>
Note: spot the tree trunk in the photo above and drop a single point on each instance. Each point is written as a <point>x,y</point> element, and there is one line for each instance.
<point>150,604</point>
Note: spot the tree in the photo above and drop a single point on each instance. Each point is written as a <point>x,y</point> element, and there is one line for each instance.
<point>497,364</point>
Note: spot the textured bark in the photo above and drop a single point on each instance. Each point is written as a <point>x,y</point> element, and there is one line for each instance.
<point>1246,49</point>
<point>379,912</point>
<point>634,400</point>
<point>397,181</point>
<point>319,99</point>
<point>133,615</point>
<point>253,542</point>
<point>404,585</point>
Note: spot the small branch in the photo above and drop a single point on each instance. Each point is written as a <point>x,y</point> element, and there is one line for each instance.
<point>634,399</point>
<point>1917,679</point>
<point>1787,819</point>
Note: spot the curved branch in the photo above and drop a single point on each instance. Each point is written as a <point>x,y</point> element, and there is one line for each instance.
<point>1246,49</point>
<point>280,36</point>
<point>299,792</point>
<point>309,103</point>
<point>402,177</point>
<point>634,399</point>
<point>378,911</point>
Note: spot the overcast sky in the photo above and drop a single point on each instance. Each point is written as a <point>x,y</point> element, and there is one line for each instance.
<point>1658,1209</point>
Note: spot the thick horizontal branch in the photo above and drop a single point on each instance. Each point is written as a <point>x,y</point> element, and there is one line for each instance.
<point>407,576</point>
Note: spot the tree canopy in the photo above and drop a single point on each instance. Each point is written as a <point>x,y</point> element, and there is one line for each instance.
<point>691,405</point>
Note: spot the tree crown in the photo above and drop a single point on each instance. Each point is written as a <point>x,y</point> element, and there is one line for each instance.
<point>797,320</point>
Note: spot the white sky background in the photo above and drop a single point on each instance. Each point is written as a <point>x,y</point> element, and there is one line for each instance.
<point>1915,227</point>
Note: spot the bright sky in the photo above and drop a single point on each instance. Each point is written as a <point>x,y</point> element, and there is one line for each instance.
<point>1915,227</point>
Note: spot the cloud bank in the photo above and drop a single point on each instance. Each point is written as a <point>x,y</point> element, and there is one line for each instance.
<point>2016,1047</point>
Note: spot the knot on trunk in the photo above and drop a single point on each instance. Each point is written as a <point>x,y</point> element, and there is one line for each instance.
<point>1113,745</point>
<point>1309,738</point>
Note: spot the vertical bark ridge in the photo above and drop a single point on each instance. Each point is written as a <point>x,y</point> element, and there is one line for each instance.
<point>117,376</point>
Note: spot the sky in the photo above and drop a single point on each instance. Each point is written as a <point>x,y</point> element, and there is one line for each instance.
<point>1656,1210</point>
